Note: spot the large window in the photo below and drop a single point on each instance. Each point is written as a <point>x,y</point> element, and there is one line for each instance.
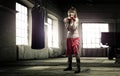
<point>21,25</point>
<point>52,32</point>
<point>92,34</point>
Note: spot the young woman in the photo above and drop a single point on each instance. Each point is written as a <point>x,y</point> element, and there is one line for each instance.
<point>73,40</point>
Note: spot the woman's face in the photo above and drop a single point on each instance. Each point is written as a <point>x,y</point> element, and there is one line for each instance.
<point>71,13</point>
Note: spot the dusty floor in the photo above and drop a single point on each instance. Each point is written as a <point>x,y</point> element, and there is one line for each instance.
<point>90,66</point>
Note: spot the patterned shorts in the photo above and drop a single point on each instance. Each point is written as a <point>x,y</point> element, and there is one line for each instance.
<point>73,45</point>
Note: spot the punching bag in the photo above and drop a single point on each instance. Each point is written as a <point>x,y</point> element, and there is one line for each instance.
<point>38,35</point>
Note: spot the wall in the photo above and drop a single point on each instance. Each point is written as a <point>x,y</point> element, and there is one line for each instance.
<point>7,31</point>
<point>25,52</point>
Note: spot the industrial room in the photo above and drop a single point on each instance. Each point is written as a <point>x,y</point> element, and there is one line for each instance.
<point>20,45</point>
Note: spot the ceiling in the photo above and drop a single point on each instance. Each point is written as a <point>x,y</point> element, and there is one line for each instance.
<point>73,2</point>
<point>84,1</point>
<point>65,4</point>
<point>68,3</point>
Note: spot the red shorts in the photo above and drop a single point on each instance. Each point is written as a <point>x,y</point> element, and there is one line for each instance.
<point>72,46</point>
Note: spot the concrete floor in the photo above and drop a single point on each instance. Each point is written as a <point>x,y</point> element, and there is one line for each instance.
<point>90,66</point>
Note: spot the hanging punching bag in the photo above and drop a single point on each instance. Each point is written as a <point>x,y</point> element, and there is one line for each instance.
<point>38,36</point>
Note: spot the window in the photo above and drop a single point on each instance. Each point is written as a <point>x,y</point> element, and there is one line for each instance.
<point>92,34</point>
<point>21,25</point>
<point>52,32</point>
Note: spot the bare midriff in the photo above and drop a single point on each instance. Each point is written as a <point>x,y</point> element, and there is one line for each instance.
<point>74,34</point>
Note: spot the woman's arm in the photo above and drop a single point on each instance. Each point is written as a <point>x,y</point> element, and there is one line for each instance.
<point>66,22</point>
<point>74,24</point>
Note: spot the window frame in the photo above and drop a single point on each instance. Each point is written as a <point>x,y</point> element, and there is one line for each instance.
<point>99,43</point>
<point>53,18</point>
<point>51,41</point>
<point>27,26</point>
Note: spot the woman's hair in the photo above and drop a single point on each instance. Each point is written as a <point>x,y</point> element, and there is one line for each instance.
<point>72,10</point>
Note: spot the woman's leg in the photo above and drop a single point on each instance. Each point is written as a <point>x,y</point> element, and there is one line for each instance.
<point>69,64</point>
<point>77,62</point>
